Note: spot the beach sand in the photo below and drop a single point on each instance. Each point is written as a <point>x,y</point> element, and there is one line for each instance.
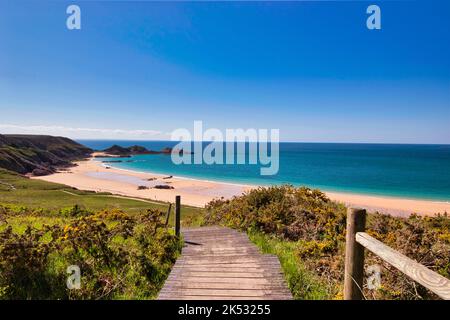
<point>93,175</point>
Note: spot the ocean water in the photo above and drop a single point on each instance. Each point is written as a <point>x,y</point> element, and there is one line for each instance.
<point>399,170</point>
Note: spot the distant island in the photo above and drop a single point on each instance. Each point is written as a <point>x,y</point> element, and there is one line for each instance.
<point>125,152</point>
<point>117,150</point>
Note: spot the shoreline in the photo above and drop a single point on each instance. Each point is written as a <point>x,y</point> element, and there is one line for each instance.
<point>93,175</point>
<point>324,190</point>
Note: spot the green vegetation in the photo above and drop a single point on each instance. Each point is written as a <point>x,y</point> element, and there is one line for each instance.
<point>306,230</point>
<point>120,256</point>
<point>302,283</point>
<point>121,245</point>
<point>51,198</point>
<point>125,251</point>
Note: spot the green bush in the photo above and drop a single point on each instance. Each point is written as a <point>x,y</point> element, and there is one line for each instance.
<point>316,226</point>
<point>120,256</point>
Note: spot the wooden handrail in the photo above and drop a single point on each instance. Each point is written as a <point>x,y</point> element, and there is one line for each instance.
<point>357,240</point>
<point>416,271</point>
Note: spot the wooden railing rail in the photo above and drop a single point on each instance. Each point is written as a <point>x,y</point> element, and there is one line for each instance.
<point>357,240</point>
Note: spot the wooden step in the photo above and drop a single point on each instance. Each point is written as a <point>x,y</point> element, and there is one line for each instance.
<point>221,263</point>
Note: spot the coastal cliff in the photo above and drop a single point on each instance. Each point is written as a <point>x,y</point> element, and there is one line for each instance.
<point>39,154</point>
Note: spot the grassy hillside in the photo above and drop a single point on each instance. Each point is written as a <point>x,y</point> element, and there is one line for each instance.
<point>119,255</point>
<point>38,154</point>
<point>120,244</point>
<point>19,191</point>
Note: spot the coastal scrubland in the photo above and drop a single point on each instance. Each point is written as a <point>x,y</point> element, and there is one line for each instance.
<point>126,252</point>
<point>306,230</point>
<point>122,246</point>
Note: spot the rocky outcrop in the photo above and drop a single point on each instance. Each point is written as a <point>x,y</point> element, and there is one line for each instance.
<point>117,150</point>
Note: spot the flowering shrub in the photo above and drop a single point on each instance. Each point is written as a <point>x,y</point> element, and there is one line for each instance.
<point>120,256</point>
<point>317,227</point>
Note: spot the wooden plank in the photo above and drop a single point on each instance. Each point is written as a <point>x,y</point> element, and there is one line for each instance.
<point>221,263</point>
<point>225,292</point>
<point>221,253</point>
<point>226,274</point>
<point>417,272</point>
<point>224,260</point>
<point>220,268</point>
<point>221,240</point>
<point>224,285</point>
<point>268,297</point>
<point>231,255</point>
<point>219,248</point>
<point>231,265</point>
<point>211,232</point>
<point>271,281</point>
<point>195,268</point>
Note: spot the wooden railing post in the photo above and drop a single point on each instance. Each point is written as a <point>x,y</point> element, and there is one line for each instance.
<point>354,255</point>
<point>177,215</point>
<point>168,215</point>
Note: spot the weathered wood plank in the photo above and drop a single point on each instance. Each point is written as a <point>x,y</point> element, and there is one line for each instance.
<point>219,249</point>
<point>271,281</point>
<point>224,285</point>
<point>417,272</point>
<point>221,263</point>
<point>182,273</point>
<point>271,297</point>
<point>225,292</point>
<point>225,260</point>
<point>195,268</point>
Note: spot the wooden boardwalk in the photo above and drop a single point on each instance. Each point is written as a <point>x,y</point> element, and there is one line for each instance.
<point>222,263</point>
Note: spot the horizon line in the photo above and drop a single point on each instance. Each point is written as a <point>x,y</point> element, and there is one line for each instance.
<point>288,141</point>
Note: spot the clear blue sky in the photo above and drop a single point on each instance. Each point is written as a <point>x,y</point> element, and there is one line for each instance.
<point>311,69</point>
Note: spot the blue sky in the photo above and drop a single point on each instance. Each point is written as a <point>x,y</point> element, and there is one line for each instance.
<point>138,70</point>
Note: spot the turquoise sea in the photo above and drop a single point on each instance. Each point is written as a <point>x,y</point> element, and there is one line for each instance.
<point>399,170</point>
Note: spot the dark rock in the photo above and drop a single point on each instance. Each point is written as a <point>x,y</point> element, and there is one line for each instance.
<point>163,186</point>
<point>41,172</point>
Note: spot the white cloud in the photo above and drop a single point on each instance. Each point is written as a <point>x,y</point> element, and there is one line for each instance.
<point>83,133</point>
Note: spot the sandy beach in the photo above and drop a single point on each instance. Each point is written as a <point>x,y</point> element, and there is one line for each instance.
<point>96,176</point>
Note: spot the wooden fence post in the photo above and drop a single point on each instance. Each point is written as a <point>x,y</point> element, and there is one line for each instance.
<point>354,255</point>
<point>177,215</point>
<point>168,215</point>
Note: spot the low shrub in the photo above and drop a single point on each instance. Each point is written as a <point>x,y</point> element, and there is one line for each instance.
<point>316,225</point>
<point>120,256</point>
